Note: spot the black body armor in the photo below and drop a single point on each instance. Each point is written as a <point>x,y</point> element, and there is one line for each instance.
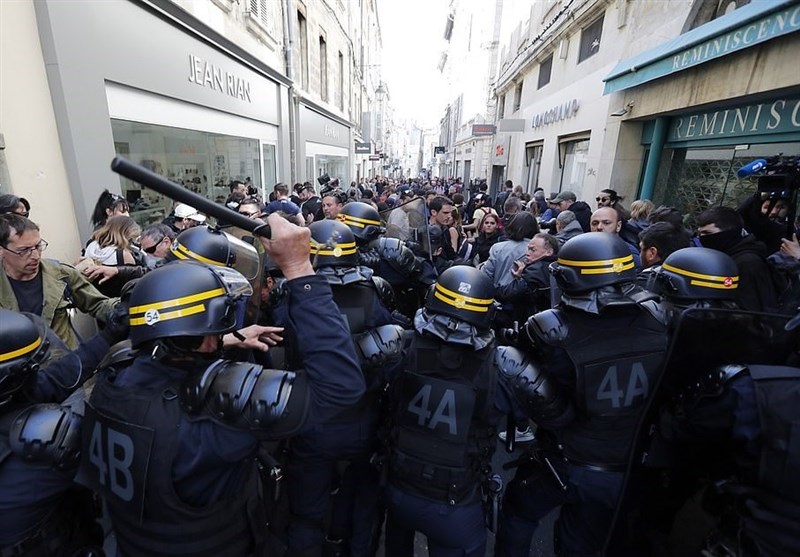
<point>441,441</point>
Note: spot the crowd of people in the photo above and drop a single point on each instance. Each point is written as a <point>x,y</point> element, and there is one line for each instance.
<point>342,385</point>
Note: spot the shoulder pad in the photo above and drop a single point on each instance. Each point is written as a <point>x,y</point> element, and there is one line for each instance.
<point>385,291</point>
<point>47,433</point>
<point>382,344</point>
<point>118,356</point>
<point>248,396</point>
<point>549,326</point>
<point>533,389</point>
<point>657,310</point>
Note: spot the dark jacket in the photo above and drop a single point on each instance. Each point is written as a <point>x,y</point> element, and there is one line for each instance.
<point>583,213</point>
<point>756,291</point>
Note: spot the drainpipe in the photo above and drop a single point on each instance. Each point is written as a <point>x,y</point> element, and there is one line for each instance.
<point>654,159</point>
<point>288,45</point>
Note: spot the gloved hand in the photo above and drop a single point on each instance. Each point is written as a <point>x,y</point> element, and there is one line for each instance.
<point>117,324</point>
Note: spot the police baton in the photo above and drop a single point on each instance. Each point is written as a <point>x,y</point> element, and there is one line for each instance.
<point>176,192</point>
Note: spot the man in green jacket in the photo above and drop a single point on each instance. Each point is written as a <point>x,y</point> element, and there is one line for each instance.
<point>43,287</point>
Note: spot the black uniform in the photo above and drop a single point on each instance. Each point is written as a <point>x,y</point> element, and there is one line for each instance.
<point>171,448</point>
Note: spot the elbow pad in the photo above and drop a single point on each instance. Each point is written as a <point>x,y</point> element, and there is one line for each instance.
<point>534,390</point>
<point>399,256</point>
<point>248,396</point>
<point>543,330</point>
<point>385,291</point>
<point>47,433</point>
<point>380,345</point>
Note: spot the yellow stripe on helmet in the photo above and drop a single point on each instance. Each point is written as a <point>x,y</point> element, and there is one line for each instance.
<point>460,303</point>
<point>702,277</point>
<point>182,252</point>
<point>720,285</point>
<point>185,312</point>
<point>21,351</point>
<point>208,294</point>
<point>358,221</point>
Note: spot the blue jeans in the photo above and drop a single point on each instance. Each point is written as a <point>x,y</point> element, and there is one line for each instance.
<point>452,530</point>
<point>587,509</point>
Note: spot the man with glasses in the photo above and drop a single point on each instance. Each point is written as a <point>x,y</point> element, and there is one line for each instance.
<point>44,287</point>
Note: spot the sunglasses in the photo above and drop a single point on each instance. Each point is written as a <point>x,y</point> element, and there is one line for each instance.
<point>152,249</point>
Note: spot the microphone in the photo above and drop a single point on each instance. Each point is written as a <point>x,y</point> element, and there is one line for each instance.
<point>751,168</point>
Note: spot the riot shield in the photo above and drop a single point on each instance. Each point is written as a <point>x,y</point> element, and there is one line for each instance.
<point>409,222</point>
<point>658,480</point>
<point>253,266</point>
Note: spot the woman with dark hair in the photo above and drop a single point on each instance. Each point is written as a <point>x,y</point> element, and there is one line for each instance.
<point>520,229</point>
<point>489,234</point>
<point>109,205</point>
<point>609,198</point>
<point>10,203</point>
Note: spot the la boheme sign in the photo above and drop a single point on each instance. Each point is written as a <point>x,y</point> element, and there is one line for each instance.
<point>206,74</point>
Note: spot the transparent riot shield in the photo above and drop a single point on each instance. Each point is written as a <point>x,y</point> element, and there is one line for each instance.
<point>660,477</point>
<point>252,263</point>
<point>409,222</point>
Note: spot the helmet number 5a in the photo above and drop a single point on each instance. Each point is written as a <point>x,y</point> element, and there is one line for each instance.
<point>445,412</point>
<point>638,385</point>
<point>114,463</point>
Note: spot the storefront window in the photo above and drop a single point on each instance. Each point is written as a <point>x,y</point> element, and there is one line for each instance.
<point>573,172</point>
<point>333,166</point>
<point>200,161</point>
<point>697,179</point>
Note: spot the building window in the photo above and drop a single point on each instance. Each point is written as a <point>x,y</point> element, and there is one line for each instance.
<point>341,82</point>
<point>534,158</point>
<point>501,107</point>
<point>261,11</point>
<point>590,40</point>
<point>575,161</point>
<point>518,96</point>
<point>545,68</point>
<point>302,27</point>
<point>323,69</point>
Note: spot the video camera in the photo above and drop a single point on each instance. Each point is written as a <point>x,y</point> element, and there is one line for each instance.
<point>778,178</point>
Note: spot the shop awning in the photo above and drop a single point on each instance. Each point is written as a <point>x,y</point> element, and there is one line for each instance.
<point>755,23</point>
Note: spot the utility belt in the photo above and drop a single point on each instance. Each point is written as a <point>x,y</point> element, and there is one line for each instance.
<point>545,455</point>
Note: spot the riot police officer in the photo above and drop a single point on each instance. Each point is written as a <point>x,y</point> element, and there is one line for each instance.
<point>722,463</point>
<point>170,437</point>
<point>346,442</point>
<point>390,258</point>
<point>604,346</point>
<point>445,404</point>
<point>42,512</point>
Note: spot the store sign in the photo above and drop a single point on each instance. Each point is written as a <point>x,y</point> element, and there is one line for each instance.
<point>439,150</point>
<point>774,25</point>
<point>375,157</point>
<point>483,129</point>
<point>206,74</point>
<point>363,148</point>
<point>765,118</point>
<point>557,113</point>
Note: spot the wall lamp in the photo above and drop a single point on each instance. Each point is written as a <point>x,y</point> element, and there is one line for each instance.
<point>622,111</point>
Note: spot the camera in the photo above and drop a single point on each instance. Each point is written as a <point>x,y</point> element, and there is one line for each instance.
<point>252,191</point>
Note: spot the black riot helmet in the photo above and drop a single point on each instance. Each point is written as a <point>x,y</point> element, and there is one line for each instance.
<point>363,220</point>
<point>24,344</point>
<point>215,247</point>
<point>465,293</point>
<point>695,274</point>
<point>185,299</point>
<point>332,244</point>
<point>593,260</point>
